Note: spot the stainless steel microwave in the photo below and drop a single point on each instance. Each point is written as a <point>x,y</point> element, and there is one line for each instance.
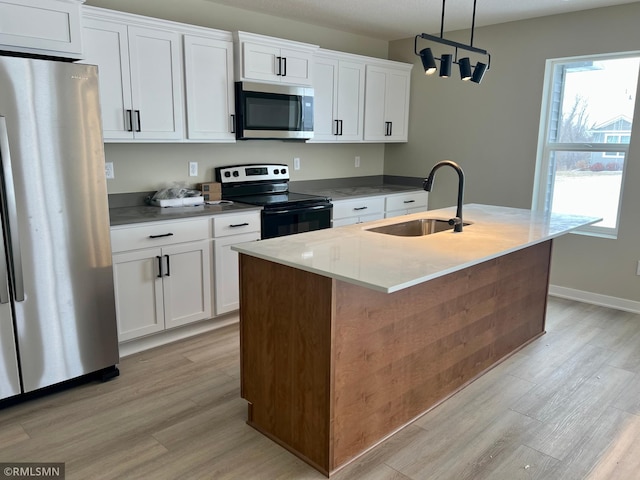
<point>265,111</point>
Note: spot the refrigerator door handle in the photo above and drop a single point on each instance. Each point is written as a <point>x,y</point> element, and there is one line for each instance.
<point>4,272</point>
<point>10,214</point>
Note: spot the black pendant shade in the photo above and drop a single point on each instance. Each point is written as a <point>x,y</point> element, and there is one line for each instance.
<point>448,59</point>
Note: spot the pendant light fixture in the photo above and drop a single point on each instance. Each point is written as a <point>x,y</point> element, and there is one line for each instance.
<point>446,60</point>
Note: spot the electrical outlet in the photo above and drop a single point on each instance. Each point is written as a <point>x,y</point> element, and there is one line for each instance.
<point>638,268</point>
<point>357,162</point>
<point>296,163</point>
<point>193,169</point>
<point>108,170</point>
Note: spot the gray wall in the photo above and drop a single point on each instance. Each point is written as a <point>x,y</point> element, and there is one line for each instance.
<point>492,131</point>
<point>146,167</point>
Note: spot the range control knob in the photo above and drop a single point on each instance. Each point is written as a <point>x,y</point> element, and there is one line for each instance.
<point>227,174</point>
<point>275,171</point>
<point>236,173</point>
<point>283,171</point>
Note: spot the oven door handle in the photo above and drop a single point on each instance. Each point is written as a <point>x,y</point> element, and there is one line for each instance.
<point>301,209</point>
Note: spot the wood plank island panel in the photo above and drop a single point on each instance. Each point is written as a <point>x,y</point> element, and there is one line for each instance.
<point>331,368</point>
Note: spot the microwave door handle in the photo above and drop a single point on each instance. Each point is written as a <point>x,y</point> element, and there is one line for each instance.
<point>10,213</point>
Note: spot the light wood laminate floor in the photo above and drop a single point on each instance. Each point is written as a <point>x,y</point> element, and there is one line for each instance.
<point>565,407</point>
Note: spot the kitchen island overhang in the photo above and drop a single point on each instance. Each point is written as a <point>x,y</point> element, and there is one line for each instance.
<point>347,335</point>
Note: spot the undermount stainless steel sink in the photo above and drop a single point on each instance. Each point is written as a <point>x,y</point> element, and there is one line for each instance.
<point>415,228</point>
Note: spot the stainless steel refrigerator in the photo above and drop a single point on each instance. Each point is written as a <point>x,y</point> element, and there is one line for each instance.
<point>57,312</point>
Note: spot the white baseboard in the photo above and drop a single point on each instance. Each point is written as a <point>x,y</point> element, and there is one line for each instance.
<point>173,335</point>
<point>595,299</point>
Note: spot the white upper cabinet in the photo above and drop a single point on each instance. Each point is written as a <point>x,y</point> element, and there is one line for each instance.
<point>273,60</point>
<point>140,68</point>
<point>387,102</point>
<point>209,88</point>
<point>41,27</point>
<point>339,86</point>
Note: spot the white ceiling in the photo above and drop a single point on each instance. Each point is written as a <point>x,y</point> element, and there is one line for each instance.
<point>394,19</point>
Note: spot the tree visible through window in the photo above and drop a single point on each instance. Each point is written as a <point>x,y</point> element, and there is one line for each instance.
<point>585,131</point>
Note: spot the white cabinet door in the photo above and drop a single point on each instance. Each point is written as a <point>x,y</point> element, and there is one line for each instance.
<point>296,67</point>
<point>106,45</point>
<point>279,65</point>
<point>350,106</point>
<point>41,27</point>
<point>186,283</point>
<point>325,100</point>
<point>156,83</point>
<point>140,79</point>
<point>386,104</point>
<point>260,62</point>
<point>338,100</point>
<point>209,88</point>
<point>227,290</point>
<point>138,293</point>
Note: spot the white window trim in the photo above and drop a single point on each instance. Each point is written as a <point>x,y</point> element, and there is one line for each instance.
<point>540,190</point>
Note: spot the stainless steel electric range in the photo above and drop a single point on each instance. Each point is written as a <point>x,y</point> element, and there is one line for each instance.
<point>267,185</point>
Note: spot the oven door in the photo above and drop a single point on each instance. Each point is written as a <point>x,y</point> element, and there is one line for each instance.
<point>287,221</point>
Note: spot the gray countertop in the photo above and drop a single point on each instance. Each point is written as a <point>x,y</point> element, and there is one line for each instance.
<point>124,215</point>
<point>144,213</point>
<point>345,193</point>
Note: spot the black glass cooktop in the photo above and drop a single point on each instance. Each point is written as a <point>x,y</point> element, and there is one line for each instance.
<point>279,199</point>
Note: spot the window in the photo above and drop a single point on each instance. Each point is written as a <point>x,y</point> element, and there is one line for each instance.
<point>585,131</point>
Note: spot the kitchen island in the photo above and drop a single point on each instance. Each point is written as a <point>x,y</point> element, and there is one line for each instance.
<point>348,335</point>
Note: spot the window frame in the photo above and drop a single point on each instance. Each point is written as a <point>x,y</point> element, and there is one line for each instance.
<point>544,177</point>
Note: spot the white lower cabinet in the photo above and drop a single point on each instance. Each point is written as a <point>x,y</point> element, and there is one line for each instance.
<point>365,209</point>
<point>165,285</point>
<point>230,230</point>
<point>405,203</point>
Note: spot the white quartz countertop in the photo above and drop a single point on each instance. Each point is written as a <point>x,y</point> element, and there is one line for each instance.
<point>390,263</point>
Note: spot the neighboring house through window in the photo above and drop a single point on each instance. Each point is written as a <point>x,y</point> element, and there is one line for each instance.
<point>585,132</point>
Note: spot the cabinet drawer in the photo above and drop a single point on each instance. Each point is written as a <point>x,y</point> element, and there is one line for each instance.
<point>158,234</point>
<point>405,201</point>
<point>358,207</point>
<point>236,223</point>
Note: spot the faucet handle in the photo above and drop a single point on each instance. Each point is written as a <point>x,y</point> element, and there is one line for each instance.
<point>455,221</point>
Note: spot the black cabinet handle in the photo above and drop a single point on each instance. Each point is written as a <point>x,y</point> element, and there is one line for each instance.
<point>239,225</point>
<point>139,125</point>
<point>409,201</point>
<point>168,274</point>
<point>388,128</point>
<point>279,72</point>
<point>336,131</point>
<point>160,236</point>
<point>340,128</point>
<point>159,266</point>
<point>129,126</point>
<point>284,70</point>
<point>360,208</point>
